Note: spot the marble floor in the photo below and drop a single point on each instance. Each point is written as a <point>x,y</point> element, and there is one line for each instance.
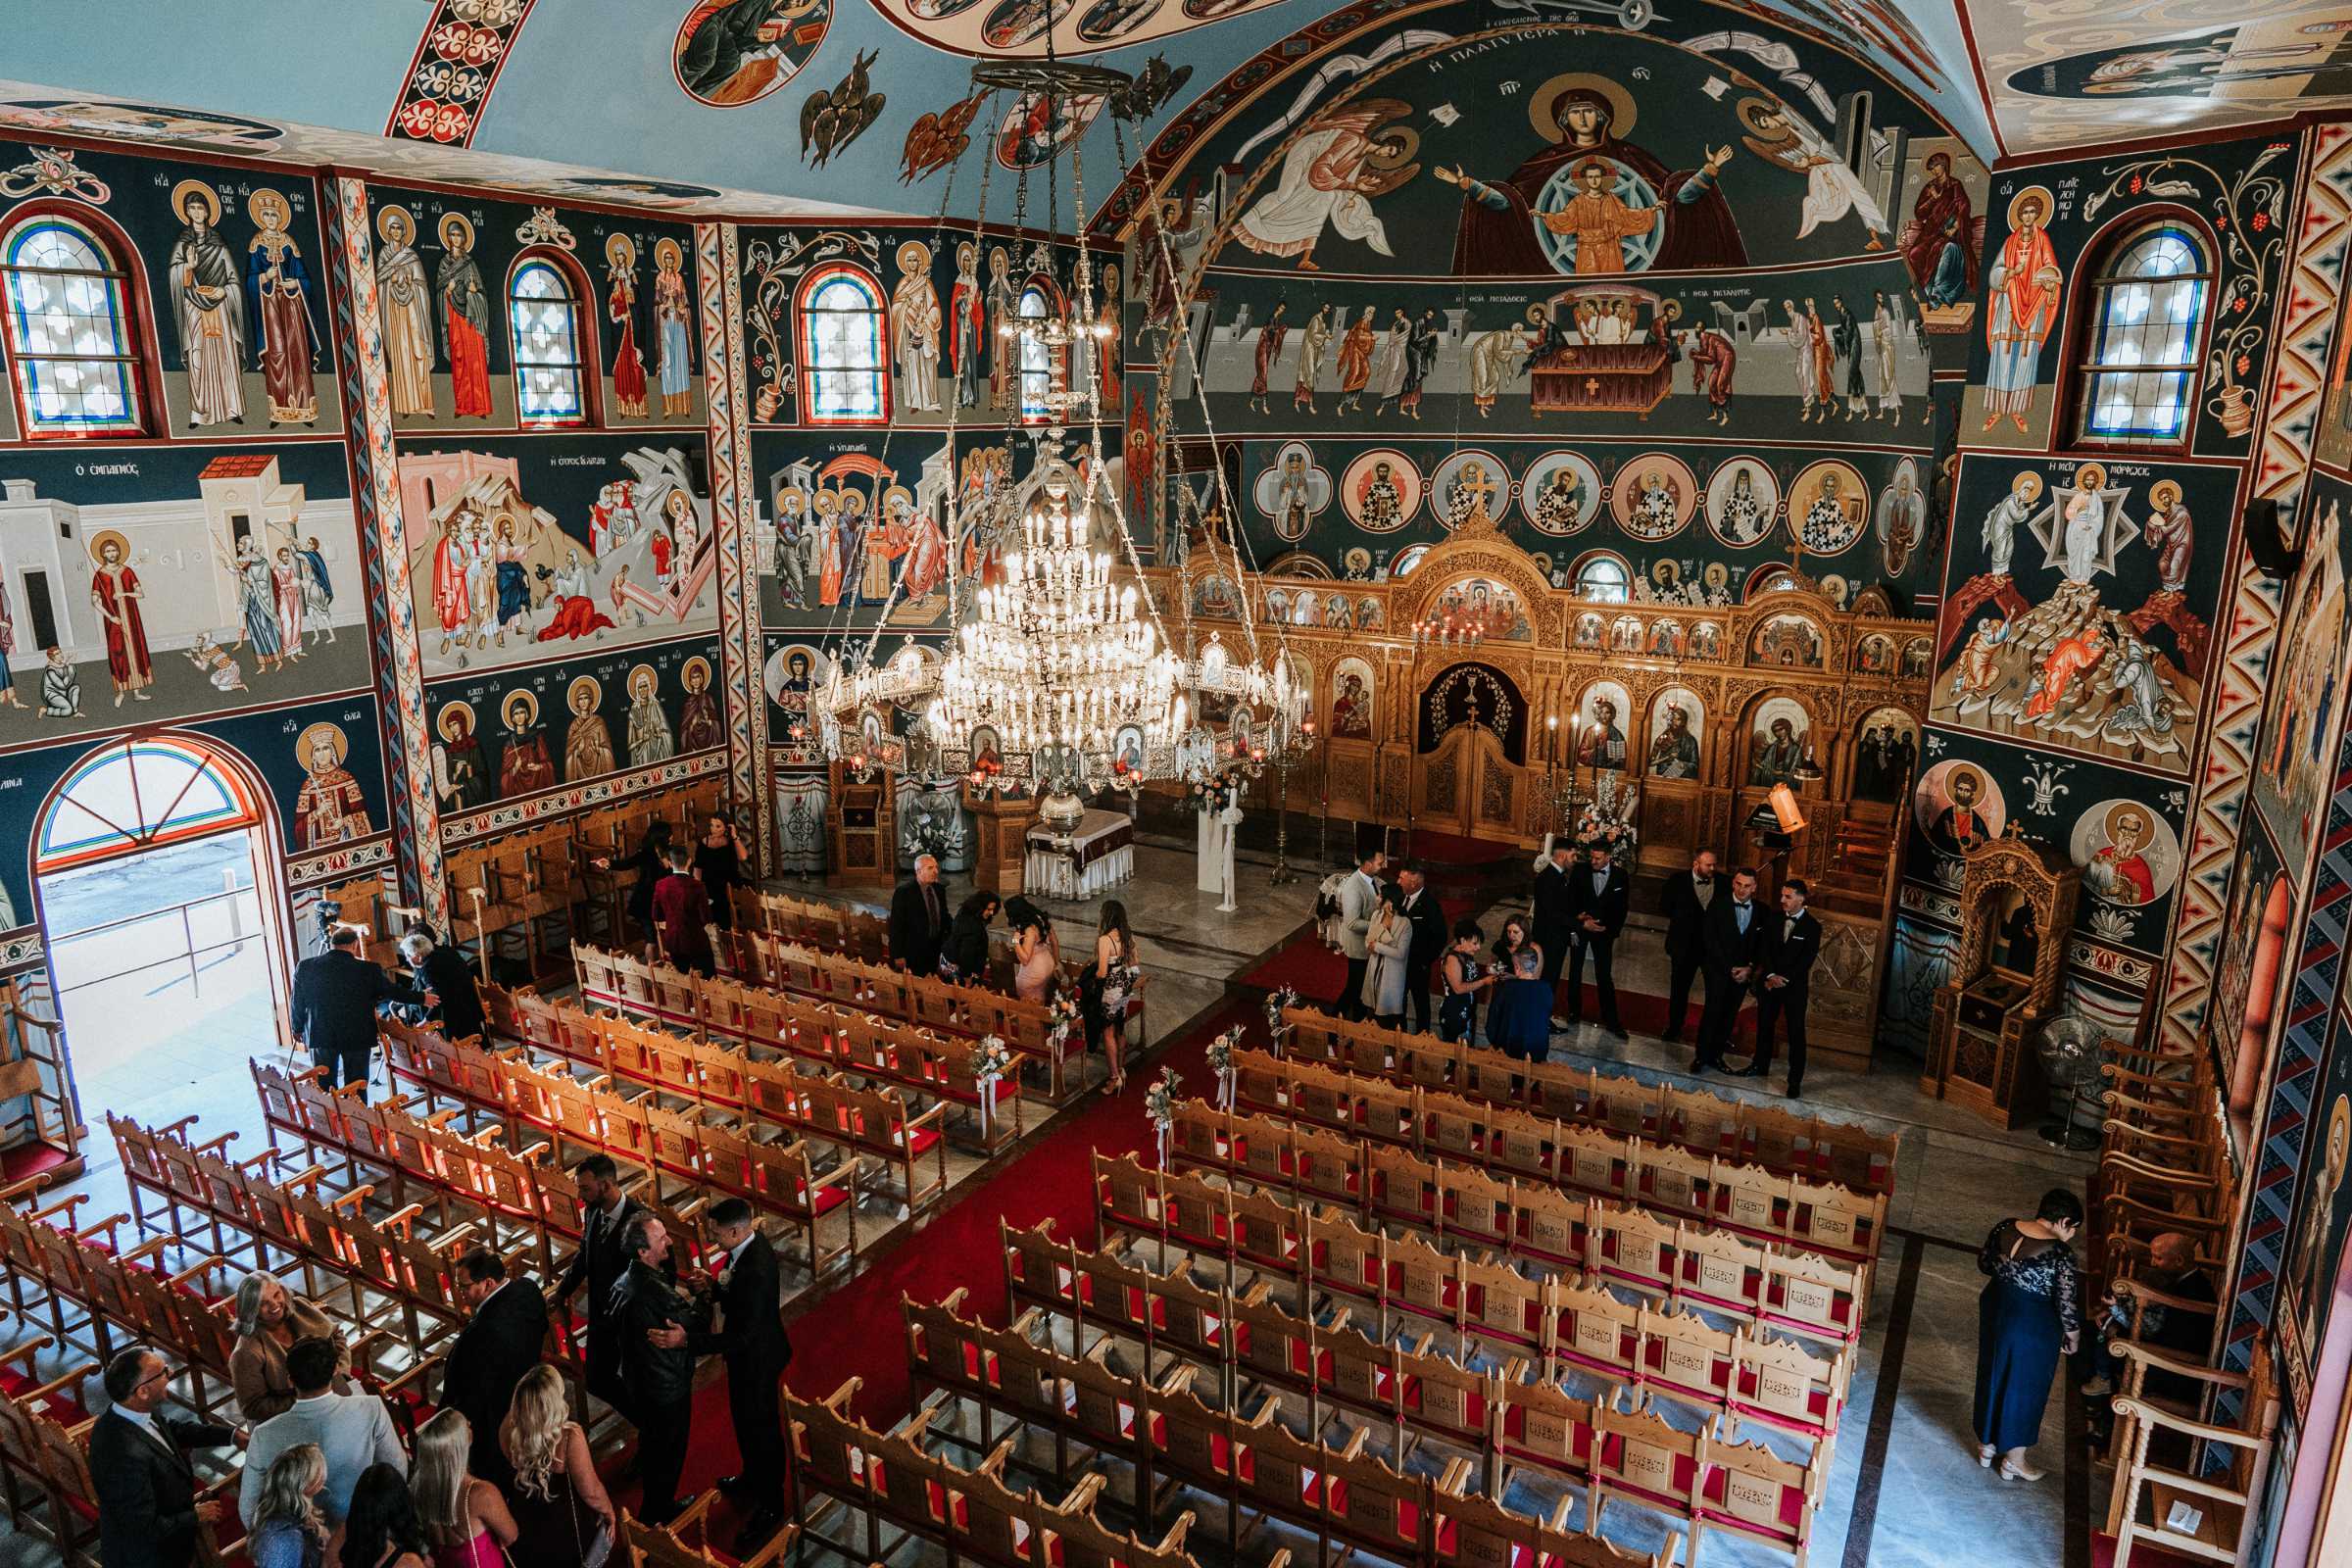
<point>1903,1489</point>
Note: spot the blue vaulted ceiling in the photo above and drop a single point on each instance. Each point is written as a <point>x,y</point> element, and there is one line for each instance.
<point>575,96</point>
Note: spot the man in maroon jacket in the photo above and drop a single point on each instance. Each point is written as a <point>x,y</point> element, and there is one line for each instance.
<point>682,915</point>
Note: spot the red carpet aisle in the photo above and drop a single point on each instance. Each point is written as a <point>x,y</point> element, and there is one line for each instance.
<point>856,1330</point>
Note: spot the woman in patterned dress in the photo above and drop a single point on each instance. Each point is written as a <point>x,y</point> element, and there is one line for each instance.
<point>2026,1316</point>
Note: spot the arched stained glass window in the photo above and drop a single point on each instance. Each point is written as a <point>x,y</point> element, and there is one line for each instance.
<point>2138,378</point>
<point>1037,358</point>
<point>551,361</point>
<point>133,795</point>
<point>69,329</point>
<point>845,352</point>
<point>1606,577</point>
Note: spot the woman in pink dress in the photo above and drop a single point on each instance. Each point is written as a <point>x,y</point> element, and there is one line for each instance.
<point>286,575</point>
<point>465,1518</point>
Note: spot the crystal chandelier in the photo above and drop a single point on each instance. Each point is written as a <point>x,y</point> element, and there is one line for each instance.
<point>1055,662</point>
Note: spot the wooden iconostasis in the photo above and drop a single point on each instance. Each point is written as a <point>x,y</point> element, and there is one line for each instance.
<point>1701,709</point>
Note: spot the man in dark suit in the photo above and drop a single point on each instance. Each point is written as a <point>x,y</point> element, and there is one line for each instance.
<point>1600,894</point>
<point>443,973</point>
<point>147,1509</point>
<point>499,1344</point>
<point>1791,947</point>
<point>1430,936</point>
<point>1735,939</point>
<point>605,1211</point>
<point>918,919</point>
<point>1684,906</point>
<point>756,1350</point>
<point>335,998</point>
<point>653,1325</point>
<point>1554,916</point>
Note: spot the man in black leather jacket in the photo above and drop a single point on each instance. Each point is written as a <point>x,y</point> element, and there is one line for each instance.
<point>652,1320</point>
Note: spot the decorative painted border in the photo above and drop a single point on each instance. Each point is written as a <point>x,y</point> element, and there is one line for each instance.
<point>465,46</point>
<point>376,499</point>
<point>498,818</point>
<point>2302,1048</point>
<point>340,864</point>
<point>720,300</point>
<point>2298,387</point>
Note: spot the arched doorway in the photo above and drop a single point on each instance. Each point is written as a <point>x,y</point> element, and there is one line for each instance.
<point>157,882</point>
<point>1469,778</point>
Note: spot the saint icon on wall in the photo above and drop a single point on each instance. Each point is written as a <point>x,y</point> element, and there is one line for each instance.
<point>1593,202</point>
<point>330,810</point>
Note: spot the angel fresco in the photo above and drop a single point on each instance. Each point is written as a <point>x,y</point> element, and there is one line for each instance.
<point>1329,177</point>
<point>1833,190</point>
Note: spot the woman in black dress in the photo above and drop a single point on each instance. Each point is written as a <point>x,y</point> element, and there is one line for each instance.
<point>2027,1318</point>
<point>651,864</point>
<point>718,862</point>
<point>965,958</point>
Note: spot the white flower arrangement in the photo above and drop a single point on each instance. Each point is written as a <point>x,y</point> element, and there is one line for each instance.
<point>1220,1062</point>
<point>1066,1020</point>
<point>992,1060</point>
<point>1160,1104</point>
<point>1279,1000</point>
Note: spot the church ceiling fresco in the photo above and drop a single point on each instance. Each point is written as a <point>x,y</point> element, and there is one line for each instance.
<point>691,105</point>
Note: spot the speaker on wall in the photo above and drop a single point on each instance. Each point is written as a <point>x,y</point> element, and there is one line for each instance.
<point>2268,540</point>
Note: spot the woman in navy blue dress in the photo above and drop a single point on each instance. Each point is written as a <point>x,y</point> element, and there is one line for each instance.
<point>2027,1317</point>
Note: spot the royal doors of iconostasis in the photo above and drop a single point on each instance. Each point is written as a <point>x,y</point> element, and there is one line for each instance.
<point>1471,775</point>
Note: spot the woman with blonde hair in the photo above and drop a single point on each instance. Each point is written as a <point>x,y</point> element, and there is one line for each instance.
<point>269,1319</point>
<point>559,1506</point>
<point>289,1531</point>
<point>464,1518</point>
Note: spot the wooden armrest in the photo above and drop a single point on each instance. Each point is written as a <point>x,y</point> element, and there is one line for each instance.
<point>26,1188</point>
<point>199,1268</point>
<point>2167,1363</point>
<point>429,1364</point>
<point>358,1195</point>
<point>307,1176</point>
<point>144,1249</point>
<point>71,1377</point>
<point>216,1144</point>
<point>401,1218</point>
<point>2124,1405</point>
<point>30,1348</point>
<point>308,1074</point>
<point>175,1128</point>
<point>64,1205</point>
<point>2128,1287</point>
<point>442,1119</point>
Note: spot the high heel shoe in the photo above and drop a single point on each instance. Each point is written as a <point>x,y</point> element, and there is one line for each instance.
<point>1985,1456</point>
<point>2018,1472</point>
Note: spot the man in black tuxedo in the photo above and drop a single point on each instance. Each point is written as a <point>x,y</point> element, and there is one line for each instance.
<point>918,919</point>
<point>654,1322</point>
<point>1791,947</point>
<point>1430,936</point>
<point>499,1344</point>
<point>1734,940</point>
<point>752,1340</point>
<point>1555,916</point>
<point>605,1211</point>
<point>335,998</point>
<point>1600,894</point>
<point>147,1509</point>
<point>1684,906</point>
<point>443,972</point>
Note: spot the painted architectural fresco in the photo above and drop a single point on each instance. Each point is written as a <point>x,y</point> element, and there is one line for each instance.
<point>2052,232</point>
<point>187,559</point>
<point>220,269</point>
<point>149,584</point>
<point>2058,77</point>
<point>2084,618</point>
<point>500,316</point>
<point>931,315</point>
<point>545,547</point>
<point>1404,318</point>
<point>509,735</point>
